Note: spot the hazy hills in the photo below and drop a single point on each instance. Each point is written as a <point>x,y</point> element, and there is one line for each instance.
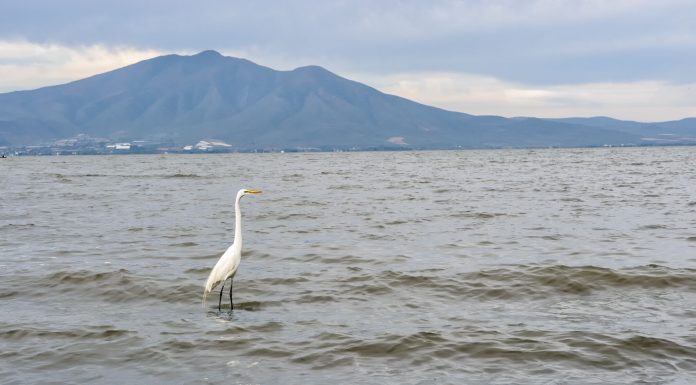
<point>210,96</point>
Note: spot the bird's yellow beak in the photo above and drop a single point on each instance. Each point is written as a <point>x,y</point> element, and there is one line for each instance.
<point>252,191</point>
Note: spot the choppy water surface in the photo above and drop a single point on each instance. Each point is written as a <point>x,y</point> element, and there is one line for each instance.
<point>478,267</point>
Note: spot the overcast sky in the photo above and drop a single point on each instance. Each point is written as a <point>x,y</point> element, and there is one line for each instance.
<point>630,59</point>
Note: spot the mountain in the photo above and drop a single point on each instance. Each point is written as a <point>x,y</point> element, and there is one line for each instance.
<point>184,99</point>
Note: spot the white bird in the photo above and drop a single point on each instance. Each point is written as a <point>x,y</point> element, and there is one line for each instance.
<point>227,265</point>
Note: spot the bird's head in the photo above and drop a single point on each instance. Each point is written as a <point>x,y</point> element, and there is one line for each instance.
<point>244,192</point>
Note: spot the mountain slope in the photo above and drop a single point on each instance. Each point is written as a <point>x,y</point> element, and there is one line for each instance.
<point>188,98</point>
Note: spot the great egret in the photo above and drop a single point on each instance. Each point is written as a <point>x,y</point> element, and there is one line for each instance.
<point>227,265</point>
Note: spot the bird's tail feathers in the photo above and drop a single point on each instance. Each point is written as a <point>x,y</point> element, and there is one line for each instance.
<point>205,297</point>
<point>209,286</point>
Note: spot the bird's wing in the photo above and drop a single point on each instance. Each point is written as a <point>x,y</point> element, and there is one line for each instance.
<point>222,270</point>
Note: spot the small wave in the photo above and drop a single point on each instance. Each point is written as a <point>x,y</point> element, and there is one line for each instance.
<point>554,237</point>
<point>345,187</point>
<point>182,175</point>
<point>477,215</point>
<point>582,279</point>
<point>522,347</point>
<point>539,281</point>
<point>653,227</point>
<point>342,259</point>
<point>267,327</point>
<point>184,244</point>
<point>282,281</point>
<point>102,332</point>
<point>82,276</point>
<point>367,290</point>
<point>60,176</point>
<point>396,222</point>
<point>509,283</point>
<point>313,298</point>
<point>285,216</point>
<point>92,175</point>
<point>205,257</point>
<point>8,293</point>
<point>18,226</point>
<point>198,271</point>
<point>121,286</point>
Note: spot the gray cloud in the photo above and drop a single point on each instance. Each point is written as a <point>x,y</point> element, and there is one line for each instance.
<point>540,42</point>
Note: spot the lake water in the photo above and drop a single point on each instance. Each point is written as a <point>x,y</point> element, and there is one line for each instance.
<point>570,266</point>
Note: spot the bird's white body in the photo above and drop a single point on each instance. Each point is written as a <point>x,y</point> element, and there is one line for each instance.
<point>228,264</point>
<point>225,268</point>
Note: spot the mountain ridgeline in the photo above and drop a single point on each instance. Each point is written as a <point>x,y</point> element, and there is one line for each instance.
<point>184,99</point>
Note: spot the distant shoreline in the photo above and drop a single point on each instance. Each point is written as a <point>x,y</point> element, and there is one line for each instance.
<point>52,151</point>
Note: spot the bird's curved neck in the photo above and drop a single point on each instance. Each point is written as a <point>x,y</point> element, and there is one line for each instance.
<point>237,224</point>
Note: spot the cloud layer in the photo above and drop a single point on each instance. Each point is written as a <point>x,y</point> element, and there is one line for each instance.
<point>583,57</point>
<point>642,100</point>
<point>27,65</point>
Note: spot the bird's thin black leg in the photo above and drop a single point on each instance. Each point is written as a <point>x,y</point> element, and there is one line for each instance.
<point>220,301</point>
<point>231,303</point>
